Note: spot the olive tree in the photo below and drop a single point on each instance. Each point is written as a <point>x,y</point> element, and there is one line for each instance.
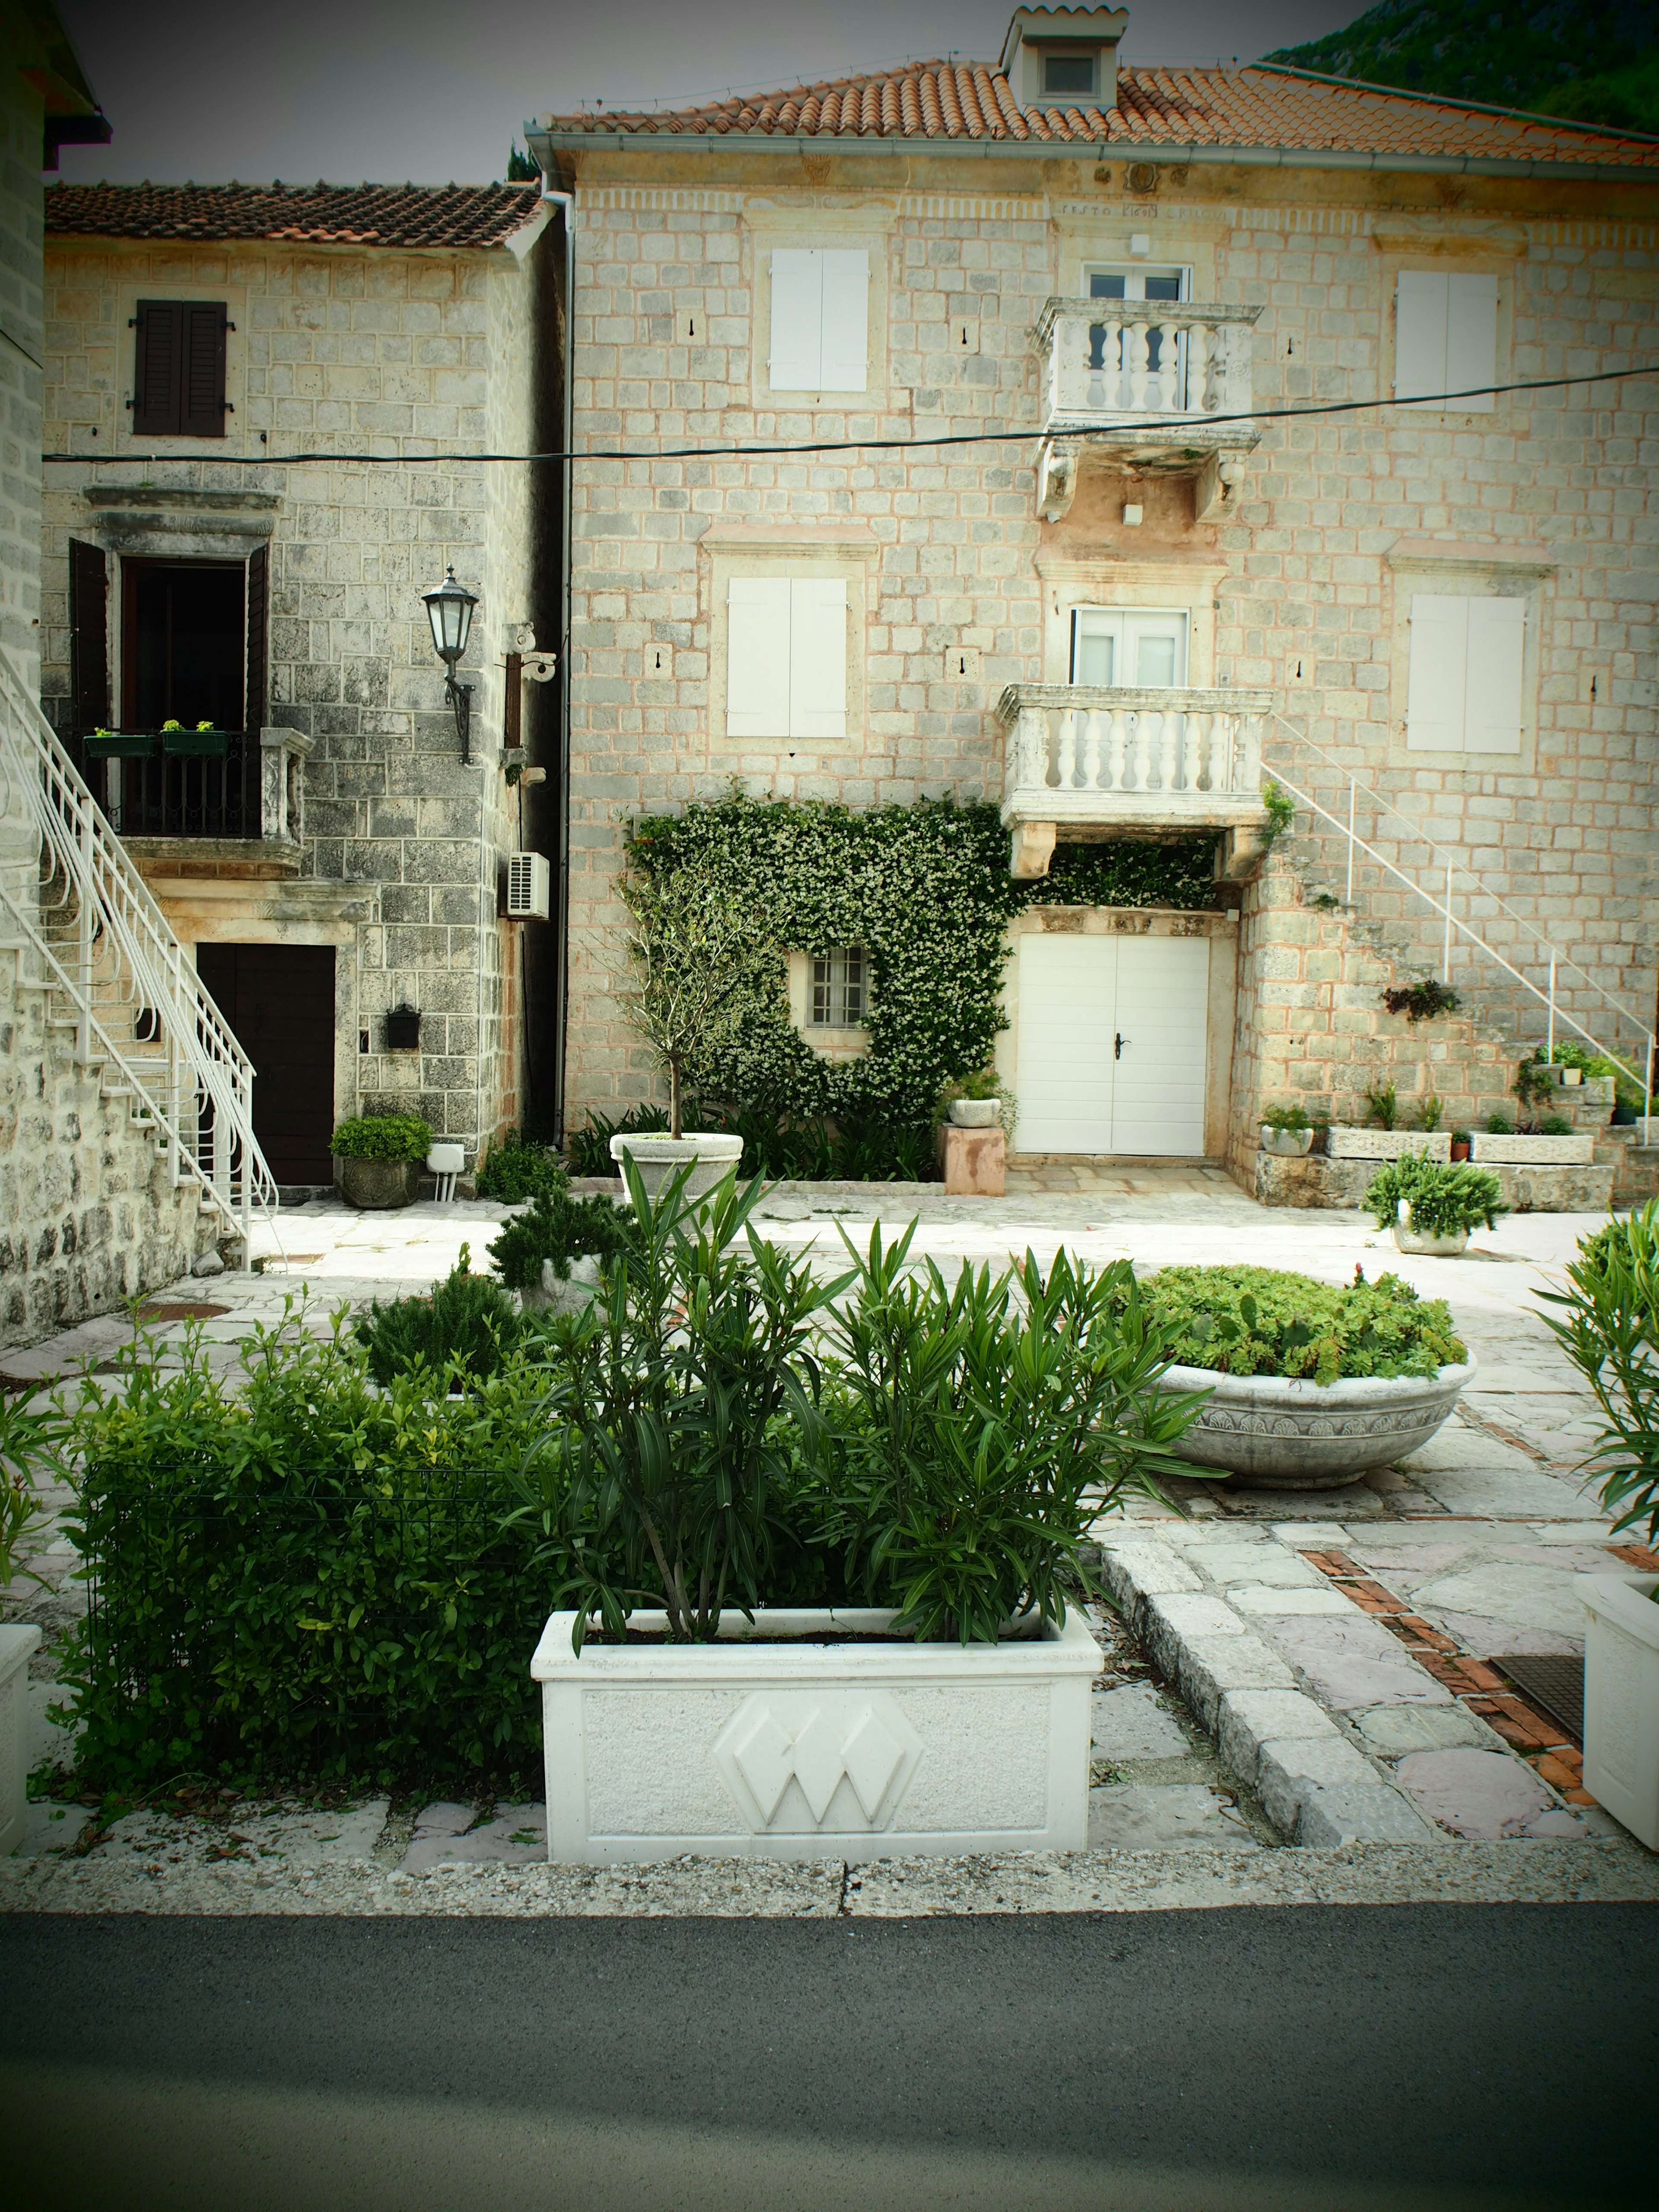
<point>694,955</point>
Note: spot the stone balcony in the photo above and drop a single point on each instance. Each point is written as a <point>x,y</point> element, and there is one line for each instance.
<point>1095,762</point>
<point>1146,385</point>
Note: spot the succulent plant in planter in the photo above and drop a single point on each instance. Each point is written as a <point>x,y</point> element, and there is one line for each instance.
<point>380,1157</point>
<point>1431,1207</point>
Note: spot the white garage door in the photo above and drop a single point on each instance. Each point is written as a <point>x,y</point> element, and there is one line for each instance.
<point>1111,1056</point>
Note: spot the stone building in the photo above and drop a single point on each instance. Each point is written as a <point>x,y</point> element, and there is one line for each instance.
<point>1144,592</point>
<point>265,412</point>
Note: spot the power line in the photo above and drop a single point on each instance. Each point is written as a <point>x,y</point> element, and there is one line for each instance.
<point>780,451</point>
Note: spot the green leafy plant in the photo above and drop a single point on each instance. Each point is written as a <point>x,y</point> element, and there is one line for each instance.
<point>976,1431</point>
<point>1607,1322</point>
<point>588,1149</point>
<point>1421,1002</point>
<point>31,1438</point>
<point>1498,1125</point>
<point>1428,1112</point>
<point>516,1170</point>
<point>1281,813</point>
<point>382,1137</point>
<point>1265,1320</point>
<point>1382,1106</point>
<point>1461,1137</point>
<point>1533,1084</point>
<point>1556,1125</point>
<point>1629,1097</point>
<point>465,1328</point>
<point>1445,1197</point>
<point>1288,1118</point>
<point>560,1228</point>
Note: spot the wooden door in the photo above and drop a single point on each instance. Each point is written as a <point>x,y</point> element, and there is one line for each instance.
<point>279,1001</point>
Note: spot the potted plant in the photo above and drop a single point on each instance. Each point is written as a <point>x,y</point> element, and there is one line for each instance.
<point>118,744</point>
<point>30,1443</point>
<point>380,1158</point>
<point>828,1436</point>
<point>1460,1143</point>
<point>1309,1385</point>
<point>1287,1131</point>
<point>1431,1207</point>
<point>974,1101</point>
<point>695,959</point>
<point>553,1255</point>
<point>203,743</point>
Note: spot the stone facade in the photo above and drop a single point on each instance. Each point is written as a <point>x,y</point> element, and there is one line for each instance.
<point>396,847</point>
<point>1298,582</point>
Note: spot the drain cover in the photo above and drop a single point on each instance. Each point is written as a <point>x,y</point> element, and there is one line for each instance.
<point>1556,1684</point>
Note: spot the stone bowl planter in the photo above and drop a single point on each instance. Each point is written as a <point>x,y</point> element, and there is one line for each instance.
<point>1287,1143</point>
<point>376,1185</point>
<point>1407,1239</point>
<point>975,1113</point>
<point>569,1295</point>
<point>783,1749</point>
<point>1273,1434</point>
<point>659,1157</point>
<point>1621,1698</point>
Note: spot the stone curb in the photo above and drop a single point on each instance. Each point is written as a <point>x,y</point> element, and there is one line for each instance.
<point>1316,1787</point>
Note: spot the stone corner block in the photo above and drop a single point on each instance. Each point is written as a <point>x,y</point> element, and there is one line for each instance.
<point>1360,1813</point>
<point>1212,1666</point>
<point>1136,1572</point>
<point>1290,1769</point>
<point>1170,1621</point>
<point>1249,1718</point>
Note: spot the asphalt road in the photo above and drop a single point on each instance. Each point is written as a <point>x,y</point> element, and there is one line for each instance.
<point>1438,2057</point>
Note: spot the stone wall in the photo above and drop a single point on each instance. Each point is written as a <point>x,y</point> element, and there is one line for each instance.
<point>20,347</point>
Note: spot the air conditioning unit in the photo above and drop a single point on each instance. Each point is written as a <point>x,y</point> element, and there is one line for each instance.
<point>529,887</point>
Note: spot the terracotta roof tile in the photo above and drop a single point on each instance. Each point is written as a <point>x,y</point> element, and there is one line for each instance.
<point>1156,107</point>
<point>456,216</point>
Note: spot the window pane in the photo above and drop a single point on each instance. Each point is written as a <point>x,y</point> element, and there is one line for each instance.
<point>1094,649</point>
<point>1104,286</point>
<point>1155,662</point>
<point>1068,73</point>
<point>1164,288</point>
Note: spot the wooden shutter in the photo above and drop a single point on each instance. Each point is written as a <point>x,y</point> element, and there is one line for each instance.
<point>88,638</point>
<point>158,361</point>
<point>818,656</point>
<point>1471,339</point>
<point>258,607</point>
<point>1491,695</point>
<point>845,324</point>
<point>203,403</point>
<point>796,356</point>
<point>1439,681</point>
<point>1420,334</point>
<point>757,657</point>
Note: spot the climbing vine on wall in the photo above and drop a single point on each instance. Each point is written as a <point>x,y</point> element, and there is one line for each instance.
<point>925,890</point>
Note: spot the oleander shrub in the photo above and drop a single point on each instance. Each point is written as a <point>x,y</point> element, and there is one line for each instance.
<point>1607,1322</point>
<point>382,1137</point>
<point>1267,1321</point>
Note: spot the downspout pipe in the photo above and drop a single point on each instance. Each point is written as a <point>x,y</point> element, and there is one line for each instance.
<point>566,204</point>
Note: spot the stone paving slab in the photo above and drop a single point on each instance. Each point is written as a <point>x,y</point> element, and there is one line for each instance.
<point>1130,1723</point>
<point>1173,1816</point>
<point>1484,1794</point>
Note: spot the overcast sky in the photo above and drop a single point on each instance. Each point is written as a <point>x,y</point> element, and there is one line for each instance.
<point>436,89</point>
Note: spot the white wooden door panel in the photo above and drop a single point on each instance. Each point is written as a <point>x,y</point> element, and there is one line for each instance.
<point>1063,1071</point>
<point>1163,1000</point>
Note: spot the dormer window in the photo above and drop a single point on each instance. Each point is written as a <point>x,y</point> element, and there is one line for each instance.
<point>1066,76</point>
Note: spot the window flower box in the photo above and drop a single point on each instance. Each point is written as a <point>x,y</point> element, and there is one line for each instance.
<point>195,745</point>
<point>784,1748</point>
<point>1519,1152</point>
<point>118,744</point>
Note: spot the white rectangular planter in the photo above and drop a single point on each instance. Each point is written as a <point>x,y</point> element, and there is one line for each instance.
<point>1621,1698</point>
<point>1342,1143</point>
<point>792,1750</point>
<point>1533,1151</point>
<point>16,1643</point>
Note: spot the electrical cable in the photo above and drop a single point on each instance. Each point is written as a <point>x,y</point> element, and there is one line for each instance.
<point>783,451</point>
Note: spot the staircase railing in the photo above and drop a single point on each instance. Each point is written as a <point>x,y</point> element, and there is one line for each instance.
<point>1458,926</point>
<point>78,904</point>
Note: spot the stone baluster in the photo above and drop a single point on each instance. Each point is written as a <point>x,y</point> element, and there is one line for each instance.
<point>1221,752</point>
<point>1067,748</point>
<point>1169,367</point>
<point>1092,751</point>
<point>1144,748</point>
<point>1138,365</point>
<point>1198,367</point>
<point>1117,747</point>
<point>1247,756</point>
<point>1192,750</point>
<point>1032,746</point>
<point>1169,739</point>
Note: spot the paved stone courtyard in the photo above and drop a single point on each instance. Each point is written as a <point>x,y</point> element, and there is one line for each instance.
<point>1398,1760</point>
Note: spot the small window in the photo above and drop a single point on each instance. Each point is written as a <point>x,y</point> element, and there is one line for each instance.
<point>179,369</point>
<point>1068,73</point>
<point>820,320</point>
<point>786,657</point>
<point>1129,648</point>
<point>1463,692</point>
<point>1445,339</point>
<point>839,990</point>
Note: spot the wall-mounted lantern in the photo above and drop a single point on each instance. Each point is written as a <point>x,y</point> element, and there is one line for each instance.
<point>449,610</point>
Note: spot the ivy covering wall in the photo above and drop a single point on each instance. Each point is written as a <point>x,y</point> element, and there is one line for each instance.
<point>925,890</point>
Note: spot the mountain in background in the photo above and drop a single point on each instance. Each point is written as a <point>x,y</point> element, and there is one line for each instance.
<point>1595,61</point>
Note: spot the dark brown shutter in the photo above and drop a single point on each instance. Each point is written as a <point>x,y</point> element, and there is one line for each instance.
<point>159,361</point>
<point>258,604</point>
<point>89,639</point>
<point>202,414</point>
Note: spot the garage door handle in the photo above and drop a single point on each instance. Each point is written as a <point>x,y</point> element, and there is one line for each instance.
<point>1118,1043</point>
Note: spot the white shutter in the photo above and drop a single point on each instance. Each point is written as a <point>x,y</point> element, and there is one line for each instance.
<point>1472,339</point>
<point>846,320</point>
<point>796,357</point>
<point>757,657</point>
<point>1437,684</point>
<point>1420,334</point>
<point>1492,716</point>
<point>818,656</point>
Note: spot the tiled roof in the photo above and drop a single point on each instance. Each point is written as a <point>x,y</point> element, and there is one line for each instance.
<point>315,215</point>
<point>1181,106</point>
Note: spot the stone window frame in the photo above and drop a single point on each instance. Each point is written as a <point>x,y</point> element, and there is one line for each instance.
<point>1461,569</point>
<point>855,227</point>
<point>847,550</point>
<point>135,286</point>
<point>1456,260</point>
<point>1101,241</point>
<point>1070,581</point>
<point>834,1044</point>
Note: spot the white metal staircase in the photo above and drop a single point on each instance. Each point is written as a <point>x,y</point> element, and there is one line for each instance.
<point>120,990</point>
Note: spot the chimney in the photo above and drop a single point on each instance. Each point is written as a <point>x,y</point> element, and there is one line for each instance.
<point>1064,57</point>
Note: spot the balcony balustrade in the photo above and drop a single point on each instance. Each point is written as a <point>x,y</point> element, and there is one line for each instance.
<point>1123,363</point>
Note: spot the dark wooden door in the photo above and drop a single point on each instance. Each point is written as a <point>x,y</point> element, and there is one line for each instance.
<point>279,999</point>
